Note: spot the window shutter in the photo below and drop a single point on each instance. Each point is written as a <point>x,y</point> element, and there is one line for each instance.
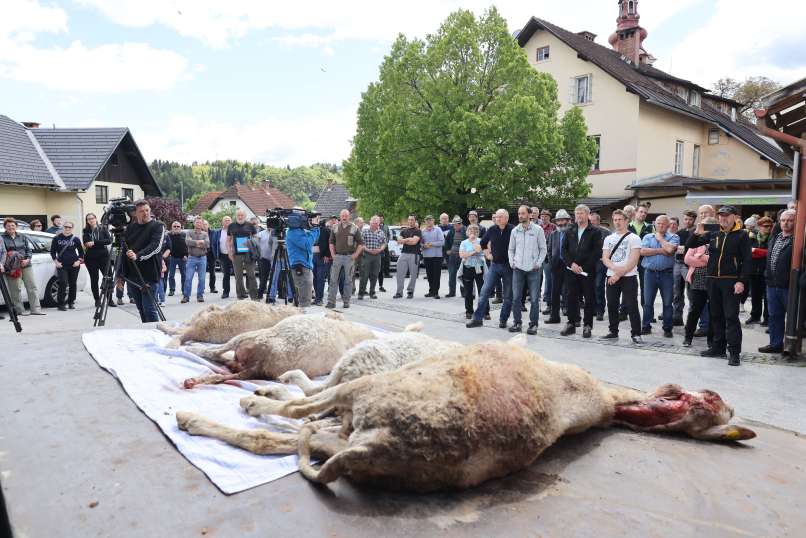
<point>590,87</point>
<point>573,92</point>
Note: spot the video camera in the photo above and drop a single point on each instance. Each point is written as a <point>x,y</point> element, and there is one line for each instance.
<point>279,219</point>
<point>118,213</point>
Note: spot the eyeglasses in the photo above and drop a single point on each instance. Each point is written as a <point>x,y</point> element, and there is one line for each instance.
<point>68,227</point>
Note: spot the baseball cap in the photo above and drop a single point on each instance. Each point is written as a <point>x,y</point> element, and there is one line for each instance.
<point>727,210</point>
<point>431,217</point>
<point>457,219</point>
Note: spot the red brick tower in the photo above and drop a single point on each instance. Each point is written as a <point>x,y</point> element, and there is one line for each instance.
<point>629,35</point>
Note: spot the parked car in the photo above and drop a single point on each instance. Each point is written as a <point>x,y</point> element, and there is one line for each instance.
<point>45,269</point>
<point>394,247</point>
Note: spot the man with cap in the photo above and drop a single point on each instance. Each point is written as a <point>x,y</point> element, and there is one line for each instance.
<point>556,263</point>
<point>453,239</point>
<point>729,266</point>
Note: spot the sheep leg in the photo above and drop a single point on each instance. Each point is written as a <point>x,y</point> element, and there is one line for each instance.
<point>274,392</point>
<point>300,379</point>
<point>170,329</point>
<point>214,379</point>
<point>299,408</point>
<point>346,424</point>
<point>334,467</point>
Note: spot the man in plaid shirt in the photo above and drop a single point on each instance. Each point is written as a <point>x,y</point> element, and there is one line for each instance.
<point>374,245</point>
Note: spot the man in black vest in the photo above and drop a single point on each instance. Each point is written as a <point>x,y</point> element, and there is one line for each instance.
<point>581,249</point>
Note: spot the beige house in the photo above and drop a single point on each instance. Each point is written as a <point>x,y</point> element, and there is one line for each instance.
<point>656,133</point>
<point>254,200</point>
<point>69,172</point>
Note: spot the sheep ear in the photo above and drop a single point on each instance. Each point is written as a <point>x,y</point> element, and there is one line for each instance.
<point>725,432</point>
<point>518,340</point>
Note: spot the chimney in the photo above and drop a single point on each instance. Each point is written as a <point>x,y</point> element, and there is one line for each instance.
<point>629,35</point>
<point>590,36</point>
<point>30,124</point>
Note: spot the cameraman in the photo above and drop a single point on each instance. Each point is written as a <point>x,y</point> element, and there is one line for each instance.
<point>299,244</point>
<point>144,237</point>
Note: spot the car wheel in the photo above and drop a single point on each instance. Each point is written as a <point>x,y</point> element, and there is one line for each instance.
<point>50,298</point>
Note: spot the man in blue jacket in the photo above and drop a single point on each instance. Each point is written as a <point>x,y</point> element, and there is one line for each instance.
<point>299,244</point>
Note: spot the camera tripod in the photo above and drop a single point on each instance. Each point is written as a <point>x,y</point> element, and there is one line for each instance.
<point>13,318</point>
<point>284,283</point>
<point>114,264</point>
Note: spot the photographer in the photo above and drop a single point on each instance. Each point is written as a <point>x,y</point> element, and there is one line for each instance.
<point>144,238</point>
<point>68,254</point>
<point>239,235</point>
<point>299,244</point>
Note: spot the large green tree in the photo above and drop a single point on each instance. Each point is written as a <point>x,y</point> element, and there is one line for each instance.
<point>461,120</point>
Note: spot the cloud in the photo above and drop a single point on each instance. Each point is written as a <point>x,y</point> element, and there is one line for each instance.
<point>745,38</point>
<point>109,68</point>
<point>270,140</point>
<point>324,22</point>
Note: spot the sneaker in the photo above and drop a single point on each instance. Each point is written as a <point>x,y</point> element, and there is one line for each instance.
<point>711,352</point>
<point>599,317</point>
<point>225,295</point>
<point>213,291</point>
<point>577,324</point>
<point>37,313</point>
<point>502,324</point>
<point>553,321</point>
<point>687,341</point>
<point>346,305</point>
<point>700,333</point>
<point>131,300</point>
<point>546,311</point>
<point>428,295</point>
<point>112,303</point>
<point>71,306</point>
<point>27,313</point>
<point>318,303</point>
<point>524,309</point>
<point>586,332</point>
<point>450,295</point>
<point>200,300</point>
<point>751,321</point>
<point>637,339</point>
<point>532,329</point>
<point>373,296</point>
<point>487,316</point>
<point>330,305</point>
<point>609,336</point>
<point>765,323</point>
<point>646,330</point>
<point>120,302</point>
<point>770,349</point>
<point>60,307</point>
<point>435,296</point>
<point>360,296</point>
<point>569,330</point>
<point>171,293</point>
<point>382,289</point>
<point>734,359</point>
<point>397,296</point>
<point>668,334</point>
<point>184,300</point>
<point>474,323</point>
<point>410,295</point>
<point>497,300</point>
<point>516,327</point>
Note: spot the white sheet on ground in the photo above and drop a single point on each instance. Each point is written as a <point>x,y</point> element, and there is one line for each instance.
<point>152,376</point>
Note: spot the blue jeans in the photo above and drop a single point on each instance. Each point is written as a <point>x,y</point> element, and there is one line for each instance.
<point>499,274</point>
<point>601,279</point>
<point>532,279</point>
<point>275,281</point>
<point>173,263</point>
<point>547,281</point>
<point>776,303</point>
<point>195,264</point>
<point>146,307</point>
<point>159,290</point>
<point>663,281</point>
<point>320,271</point>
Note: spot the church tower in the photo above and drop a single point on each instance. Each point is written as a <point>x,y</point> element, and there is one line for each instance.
<point>629,35</point>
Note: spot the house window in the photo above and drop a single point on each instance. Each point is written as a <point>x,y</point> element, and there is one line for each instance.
<point>542,54</point>
<point>598,140</point>
<point>631,7</point>
<point>128,193</point>
<point>678,157</point>
<point>101,194</point>
<point>713,137</point>
<point>114,160</point>
<point>695,166</point>
<point>582,89</point>
<point>232,203</point>
<point>694,98</point>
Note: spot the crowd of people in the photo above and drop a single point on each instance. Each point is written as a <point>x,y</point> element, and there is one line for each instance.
<point>581,269</point>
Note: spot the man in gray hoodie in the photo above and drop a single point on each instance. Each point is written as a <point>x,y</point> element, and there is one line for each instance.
<point>527,250</point>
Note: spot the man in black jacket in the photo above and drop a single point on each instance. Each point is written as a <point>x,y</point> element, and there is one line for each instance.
<point>581,249</point>
<point>144,238</point>
<point>557,266</point>
<point>779,261</point>
<point>729,266</point>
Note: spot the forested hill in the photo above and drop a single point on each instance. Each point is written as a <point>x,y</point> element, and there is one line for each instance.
<point>303,183</point>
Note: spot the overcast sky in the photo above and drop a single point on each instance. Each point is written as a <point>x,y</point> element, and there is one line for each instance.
<point>279,82</point>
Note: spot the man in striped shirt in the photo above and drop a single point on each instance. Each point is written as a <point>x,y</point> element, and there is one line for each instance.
<point>374,245</point>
